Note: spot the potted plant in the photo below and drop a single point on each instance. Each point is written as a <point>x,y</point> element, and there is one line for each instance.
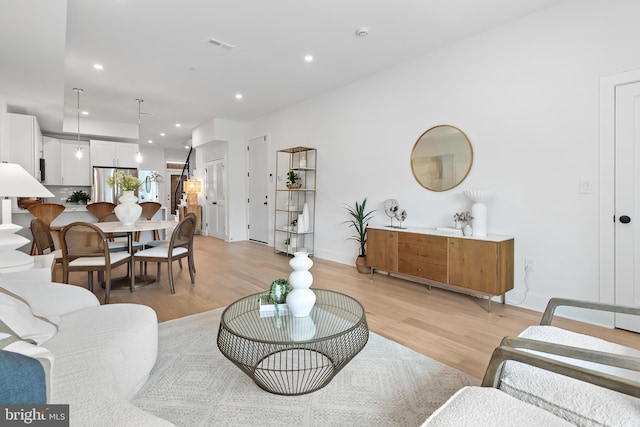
<point>462,218</point>
<point>275,300</point>
<point>79,197</point>
<point>293,180</point>
<point>359,221</point>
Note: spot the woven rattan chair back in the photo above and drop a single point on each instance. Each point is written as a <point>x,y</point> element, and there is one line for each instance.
<point>42,237</point>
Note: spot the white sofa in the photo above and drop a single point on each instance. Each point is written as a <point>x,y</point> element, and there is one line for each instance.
<point>101,355</point>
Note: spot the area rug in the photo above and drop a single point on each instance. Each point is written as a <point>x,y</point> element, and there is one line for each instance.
<point>386,384</point>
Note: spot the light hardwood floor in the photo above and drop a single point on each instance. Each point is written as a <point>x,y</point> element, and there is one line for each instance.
<point>451,327</point>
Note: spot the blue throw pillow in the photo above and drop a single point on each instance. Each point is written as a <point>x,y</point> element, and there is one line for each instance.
<point>22,380</point>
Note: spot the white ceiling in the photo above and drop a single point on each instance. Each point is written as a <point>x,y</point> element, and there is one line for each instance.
<point>158,50</point>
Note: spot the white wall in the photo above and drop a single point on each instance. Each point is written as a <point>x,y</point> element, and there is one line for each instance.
<point>526,94</point>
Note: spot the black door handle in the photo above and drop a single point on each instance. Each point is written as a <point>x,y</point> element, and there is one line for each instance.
<point>625,219</point>
<point>265,203</point>
<point>214,203</point>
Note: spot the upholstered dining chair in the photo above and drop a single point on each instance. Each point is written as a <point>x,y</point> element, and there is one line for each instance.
<point>43,240</point>
<point>100,209</point>
<point>85,248</point>
<point>47,212</point>
<point>149,209</point>
<point>154,243</point>
<point>180,246</point>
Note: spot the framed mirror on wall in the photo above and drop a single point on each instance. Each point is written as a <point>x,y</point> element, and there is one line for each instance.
<point>441,158</point>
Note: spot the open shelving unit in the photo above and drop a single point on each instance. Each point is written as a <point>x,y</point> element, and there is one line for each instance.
<point>290,202</point>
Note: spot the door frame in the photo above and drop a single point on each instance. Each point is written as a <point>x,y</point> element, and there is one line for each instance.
<point>607,183</point>
<point>267,142</point>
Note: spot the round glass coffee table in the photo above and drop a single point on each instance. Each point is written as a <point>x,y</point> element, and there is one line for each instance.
<point>290,355</point>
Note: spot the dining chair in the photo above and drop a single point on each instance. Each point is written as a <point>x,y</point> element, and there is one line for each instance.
<point>100,209</point>
<point>149,209</point>
<point>154,243</point>
<point>180,246</point>
<point>47,212</point>
<point>85,248</point>
<point>43,240</point>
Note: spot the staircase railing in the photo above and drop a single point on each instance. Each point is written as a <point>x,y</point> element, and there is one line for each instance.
<point>177,194</point>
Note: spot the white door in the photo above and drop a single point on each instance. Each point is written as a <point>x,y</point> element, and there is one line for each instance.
<point>216,206</point>
<point>258,199</point>
<point>627,202</point>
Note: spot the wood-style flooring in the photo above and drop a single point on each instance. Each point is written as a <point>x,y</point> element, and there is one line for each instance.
<point>451,327</point>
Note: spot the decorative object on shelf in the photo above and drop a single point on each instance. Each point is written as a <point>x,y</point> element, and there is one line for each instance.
<point>479,210</point>
<point>301,225</point>
<point>275,300</point>
<point>15,181</point>
<point>467,230</point>
<point>307,218</point>
<point>359,221</point>
<point>293,180</point>
<point>301,299</point>
<point>292,226</point>
<point>79,197</point>
<point>390,208</point>
<point>128,211</point>
<point>461,219</point>
<point>401,215</point>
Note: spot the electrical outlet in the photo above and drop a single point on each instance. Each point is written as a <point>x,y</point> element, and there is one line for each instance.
<point>529,264</point>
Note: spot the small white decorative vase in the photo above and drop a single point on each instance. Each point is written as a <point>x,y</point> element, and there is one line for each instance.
<point>301,224</point>
<point>467,230</point>
<point>301,299</point>
<point>305,215</point>
<point>128,211</point>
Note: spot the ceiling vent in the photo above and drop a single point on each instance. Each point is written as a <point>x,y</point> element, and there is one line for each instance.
<point>220,43</point>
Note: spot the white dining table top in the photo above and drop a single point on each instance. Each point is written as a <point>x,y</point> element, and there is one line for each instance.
<point>118,227</point>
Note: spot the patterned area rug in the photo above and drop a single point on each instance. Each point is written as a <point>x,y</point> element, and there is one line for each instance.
<point>387,384</point>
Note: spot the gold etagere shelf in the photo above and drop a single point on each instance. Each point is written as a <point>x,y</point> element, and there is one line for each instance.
<point>295,202</point>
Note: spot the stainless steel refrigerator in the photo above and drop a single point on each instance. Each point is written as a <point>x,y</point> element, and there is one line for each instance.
<point>100,191</point>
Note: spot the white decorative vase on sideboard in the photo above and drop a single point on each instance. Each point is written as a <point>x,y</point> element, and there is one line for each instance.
<point>301,299</point>
<point>128,211</point>
<point>479,210</point>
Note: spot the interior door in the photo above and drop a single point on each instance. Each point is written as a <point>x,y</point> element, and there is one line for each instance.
<point>627,202</point>
<point>258,198</point>
<point>216,200</point>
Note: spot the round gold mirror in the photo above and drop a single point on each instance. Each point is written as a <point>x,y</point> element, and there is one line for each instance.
<point>441,158</point>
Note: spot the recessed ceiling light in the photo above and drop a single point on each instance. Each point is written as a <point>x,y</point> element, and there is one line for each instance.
<point>178,125</point>
<point>308,58</point>
<point>98,66</point>
<point>162,134</point>
<point>150,141</point>
<point>186,147</point>
<point>238,96</point>
<point>362,32</point>
<point>85,113</point>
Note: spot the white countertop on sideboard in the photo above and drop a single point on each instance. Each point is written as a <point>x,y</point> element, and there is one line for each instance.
<point>434,232</point>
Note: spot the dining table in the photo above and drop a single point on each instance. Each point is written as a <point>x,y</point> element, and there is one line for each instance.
<point>144,225</point>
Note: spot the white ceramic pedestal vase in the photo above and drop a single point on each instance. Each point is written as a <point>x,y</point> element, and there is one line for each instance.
<point>128,211</point>
<point>301,299</point>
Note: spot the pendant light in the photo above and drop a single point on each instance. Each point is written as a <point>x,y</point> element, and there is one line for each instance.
<point>78,147</point>
<point>138,155</point>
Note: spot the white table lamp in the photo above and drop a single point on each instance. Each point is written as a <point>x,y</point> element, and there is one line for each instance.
<point>15,182</point>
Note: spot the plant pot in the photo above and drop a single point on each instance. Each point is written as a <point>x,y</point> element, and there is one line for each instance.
<point>294,186</point>
<point>361,265</point>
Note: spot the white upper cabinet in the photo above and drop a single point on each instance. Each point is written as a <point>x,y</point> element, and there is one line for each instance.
<point>74,170</point>
<point>63,167</point>
<point>24,142</point>
<point>114,154</point>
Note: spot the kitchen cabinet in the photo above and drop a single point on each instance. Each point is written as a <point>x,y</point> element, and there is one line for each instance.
<point>24,142</point>
<point>109,154</point>
<point>477,265</point>
<point>62,164</point>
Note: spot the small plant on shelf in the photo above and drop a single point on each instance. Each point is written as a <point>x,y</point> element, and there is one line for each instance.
<point>78,197</point>
<point>293,180</point>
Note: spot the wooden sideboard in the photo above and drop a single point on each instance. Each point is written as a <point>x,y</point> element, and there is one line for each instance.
<point>482,265</point>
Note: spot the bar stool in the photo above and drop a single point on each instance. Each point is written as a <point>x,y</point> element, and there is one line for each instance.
<point>149,209</point>
<point>47,212</point>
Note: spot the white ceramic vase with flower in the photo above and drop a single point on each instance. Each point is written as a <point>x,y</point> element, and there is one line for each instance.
<point>128,211</point>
